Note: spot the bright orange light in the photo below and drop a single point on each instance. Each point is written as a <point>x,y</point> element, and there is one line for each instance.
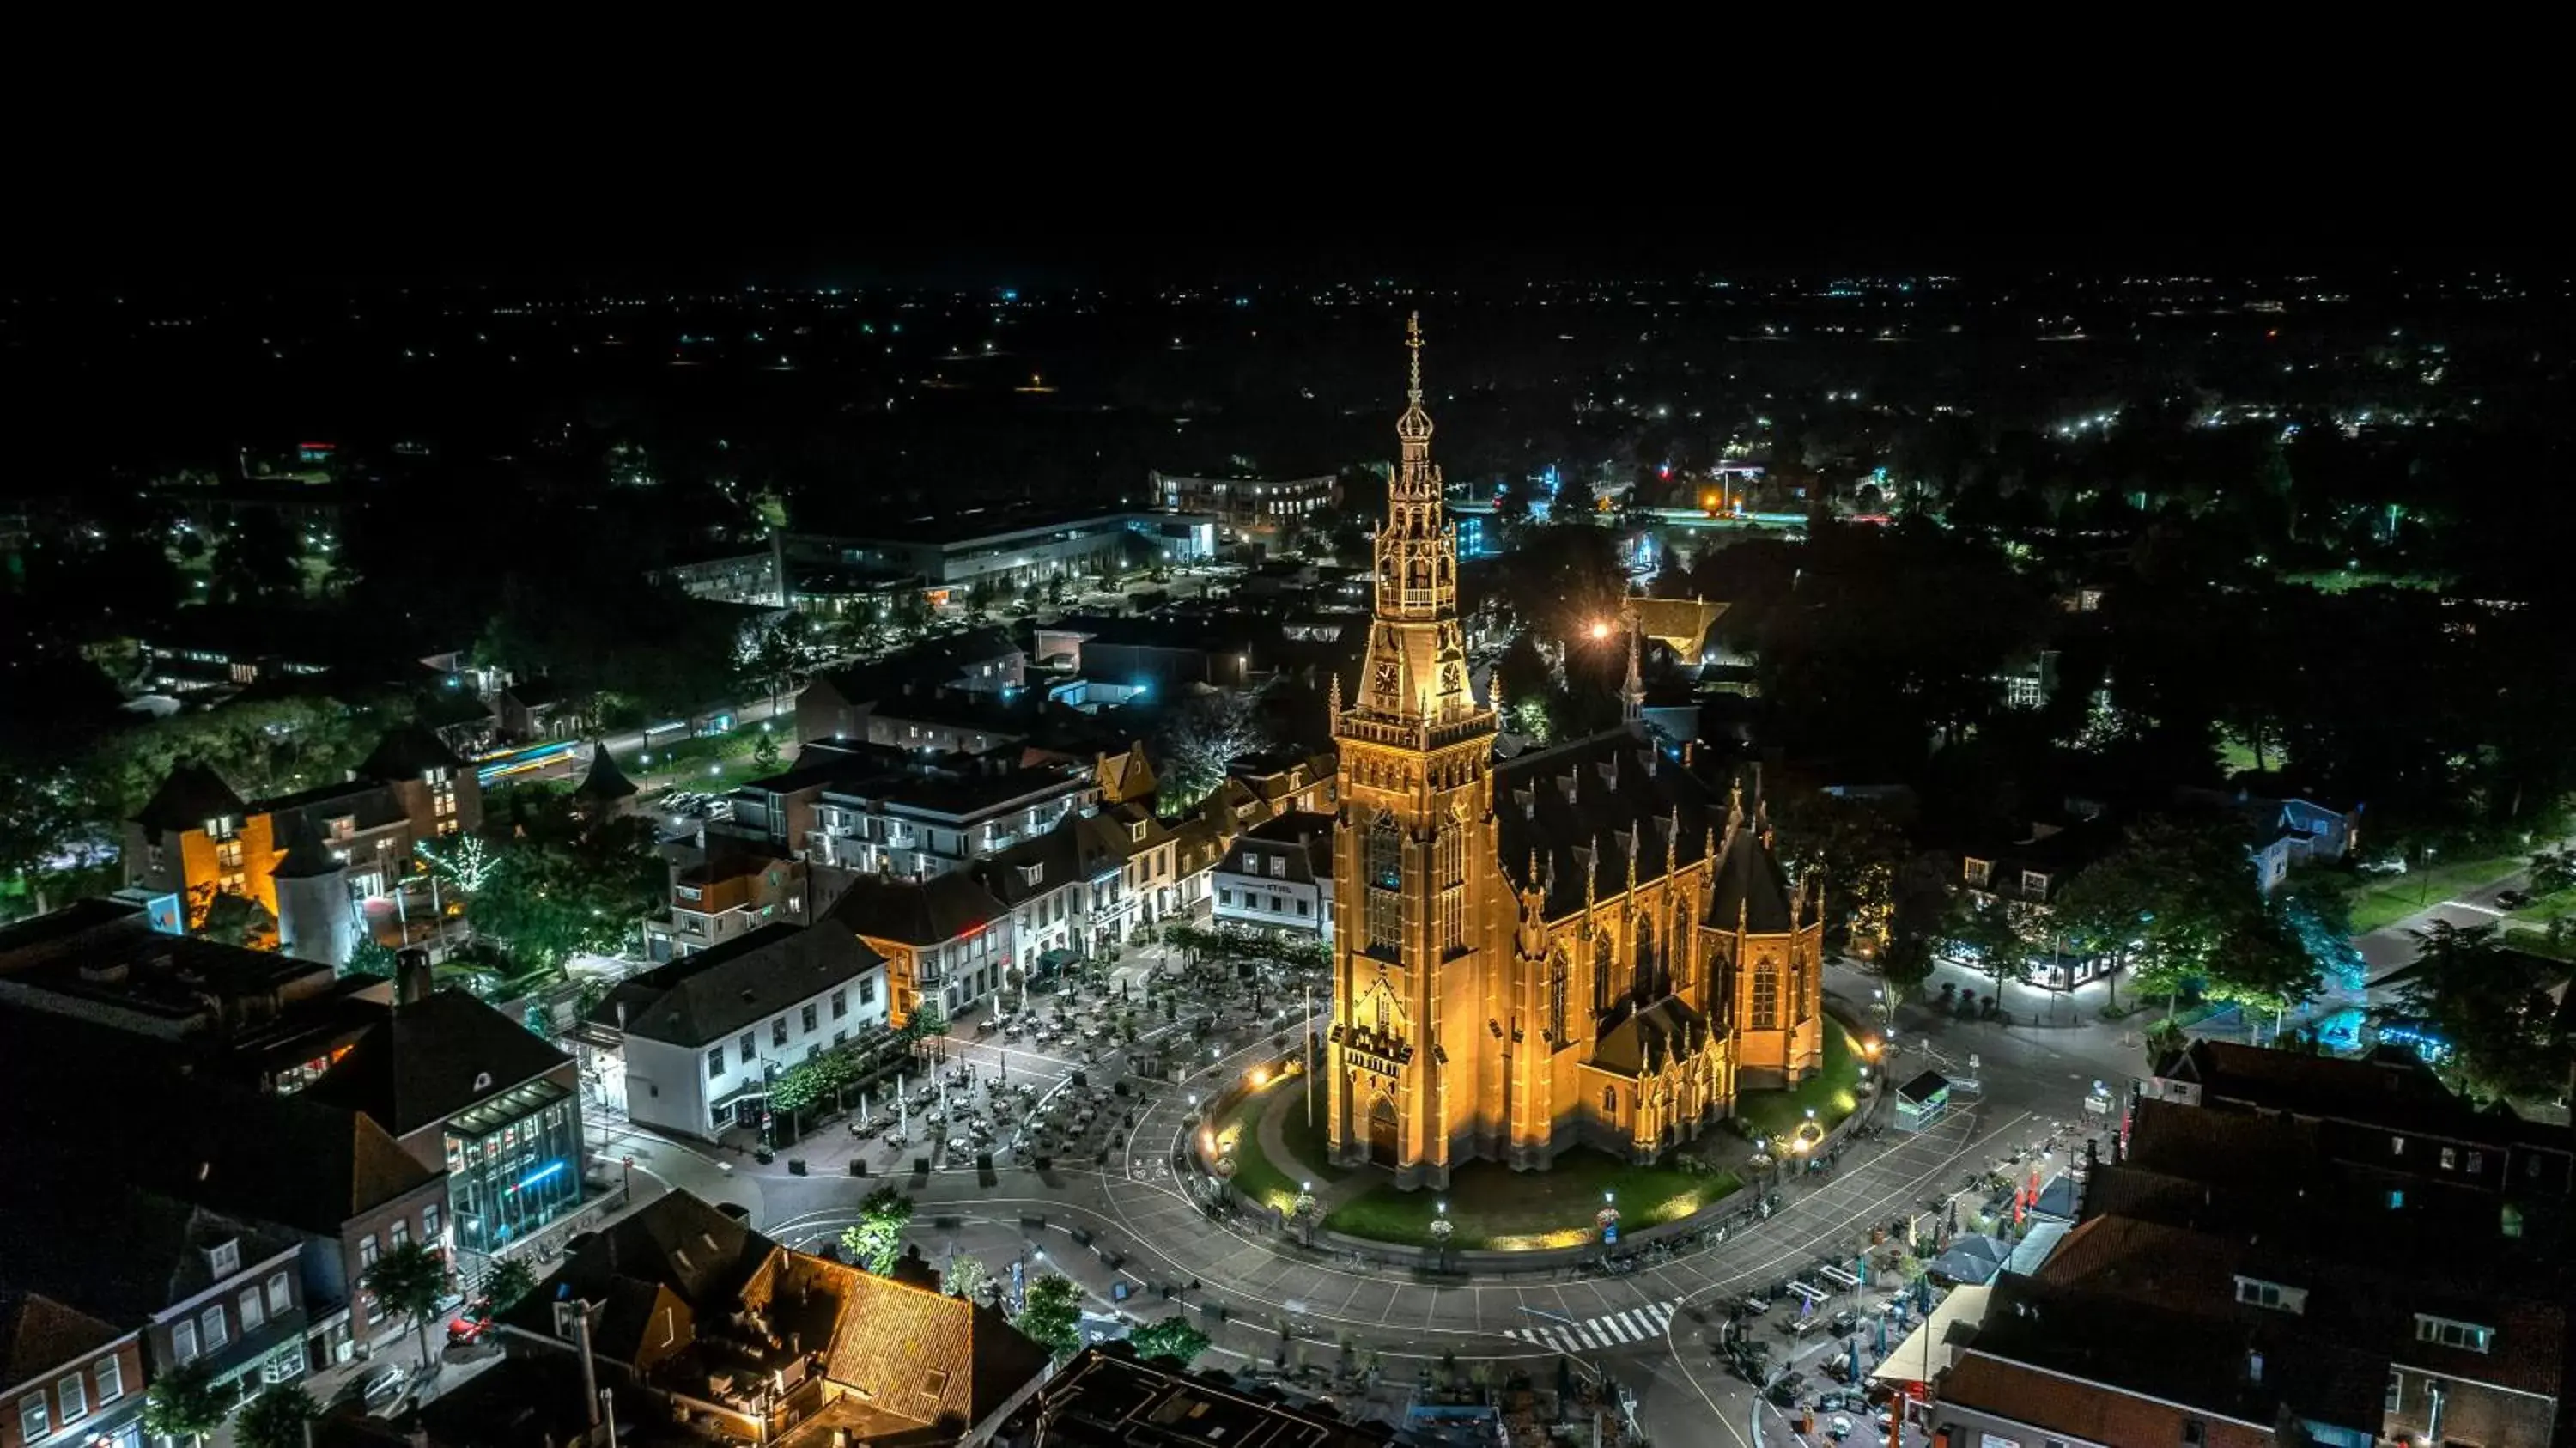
<point>1261,1078</point>
<point>1600,630</point>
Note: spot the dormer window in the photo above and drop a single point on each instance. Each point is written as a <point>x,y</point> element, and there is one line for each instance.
<point>2450,1333</point>
<point>224,1258</point>
<point>1033,874</point>
<point>1136,831</point>
<point>1979,872</point>
<point>2034,884</point>
<point>2254,1292</point>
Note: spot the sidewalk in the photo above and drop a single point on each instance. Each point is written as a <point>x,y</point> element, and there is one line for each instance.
<point>1328,1192</point>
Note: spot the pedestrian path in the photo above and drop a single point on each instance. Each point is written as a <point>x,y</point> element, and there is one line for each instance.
<point>1638,1324</point>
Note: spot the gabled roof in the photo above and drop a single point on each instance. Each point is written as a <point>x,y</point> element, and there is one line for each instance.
<point>192,795</point>
<point>118,1252</point>
<point>915,912</point>
<point>39,1335</point>
<point>675,1244</point>
<point>1748,882</point>
<point>294,1160</point>
<point>1305,838</point>
<point>915,1352</point>
<point>408,753</point>
<point>1649,1038</point>
<point>714,993</point>
<point>430,1059</point>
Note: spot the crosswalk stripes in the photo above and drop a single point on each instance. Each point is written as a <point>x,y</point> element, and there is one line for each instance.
<point>1593,1334</point>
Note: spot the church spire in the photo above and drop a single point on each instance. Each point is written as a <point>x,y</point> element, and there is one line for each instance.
<point>1632,694</point>
<point>1414,428</point>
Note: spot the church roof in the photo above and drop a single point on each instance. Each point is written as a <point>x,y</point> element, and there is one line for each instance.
<point>1577,807</point>
<point>1748,875</point>
<point>1648,1038</point>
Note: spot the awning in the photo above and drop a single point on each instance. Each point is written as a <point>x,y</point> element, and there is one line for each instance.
<point>1925,1353</point>
<point>1972,1259</point>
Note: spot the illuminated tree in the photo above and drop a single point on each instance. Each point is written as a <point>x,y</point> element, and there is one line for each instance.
<point>876,1239</point>
<point>186,1403</point>
<point>1169,1337</point>
<point>966,1277</point>
<point>461,860</point>
<point>1051,1315</point>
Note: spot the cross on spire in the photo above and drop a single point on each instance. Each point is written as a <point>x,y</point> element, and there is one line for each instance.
<point>1413,341</point>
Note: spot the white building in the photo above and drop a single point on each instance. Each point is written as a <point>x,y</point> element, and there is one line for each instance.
<point>698,1040</point>
<point>1279,876</point>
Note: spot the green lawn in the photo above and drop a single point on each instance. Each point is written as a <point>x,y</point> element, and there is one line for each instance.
<point>2385,902</point>
<point>2541,909</point>
<point>1273,1183</point>
<point>1309,1144</point>
<point>1496,1207</point>
<point>1833,1093</point>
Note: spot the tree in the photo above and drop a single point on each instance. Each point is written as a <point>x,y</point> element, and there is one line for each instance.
<point>259,559</point>
<point>508,1283</point>
<point>764,751</point>
<point>464,862</point>
<point>966,1277</point>
<point>1859,850</point>
<point>1990,936</point>
<point>2553,871</point>
<point>547,897</point>
<point>371,956</point>
<point>1051,1314</point>
<point>232,919</point>
<point>2484,1014</point>
<point>186,1403</point>
<point>1202,737</point>
<point>877,1238</point>
<point>1169,1337</point>
<point>276,1418</point>
<point>411,1280</point>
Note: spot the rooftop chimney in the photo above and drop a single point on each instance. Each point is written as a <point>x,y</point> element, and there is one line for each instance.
<point>411,976</point>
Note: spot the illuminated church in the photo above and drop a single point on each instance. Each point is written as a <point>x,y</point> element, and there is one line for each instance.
<point>1583,944</point>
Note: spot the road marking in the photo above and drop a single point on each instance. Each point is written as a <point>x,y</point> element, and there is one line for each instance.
<point>1610,1329</point>
<point>2473,905</point>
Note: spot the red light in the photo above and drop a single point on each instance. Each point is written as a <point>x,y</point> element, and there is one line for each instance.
<point>1665,471</point>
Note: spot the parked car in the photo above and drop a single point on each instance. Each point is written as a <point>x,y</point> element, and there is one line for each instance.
<point>2513,899</point>
<point>470,1325</point>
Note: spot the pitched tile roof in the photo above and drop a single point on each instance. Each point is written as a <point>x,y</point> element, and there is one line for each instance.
<point>192,795</point>
<point>916,1352</point>
<point>714,993</point>
<point>915,912</point>
<point>118,1252</point>
<point>408,753</point>
<point>39,1335</point>
<point>432,1058</point>
<point>1648,1038</point>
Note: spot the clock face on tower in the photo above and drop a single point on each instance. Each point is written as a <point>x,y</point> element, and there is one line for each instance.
<point>1453,681</point>
<point>1386,676</point>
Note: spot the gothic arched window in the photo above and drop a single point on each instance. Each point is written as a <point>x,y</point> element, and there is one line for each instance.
<point>1610,1101</point>
<point>1383,867</point>
<point>1556,972</point>
<point>1643,982</point>
<point>1386,854</point>
<point>1385,1014</point>
<point>1601,973</point>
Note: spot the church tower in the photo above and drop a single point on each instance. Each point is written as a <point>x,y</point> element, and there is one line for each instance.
<point>1412,850</point>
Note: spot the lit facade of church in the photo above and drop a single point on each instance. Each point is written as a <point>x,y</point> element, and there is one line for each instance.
<point>1582,944</point>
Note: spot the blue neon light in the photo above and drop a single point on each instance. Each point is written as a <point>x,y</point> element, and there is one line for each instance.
<point>540,1174</point>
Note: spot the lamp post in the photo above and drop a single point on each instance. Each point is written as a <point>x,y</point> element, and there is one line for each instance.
<point>1441,1227</point>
